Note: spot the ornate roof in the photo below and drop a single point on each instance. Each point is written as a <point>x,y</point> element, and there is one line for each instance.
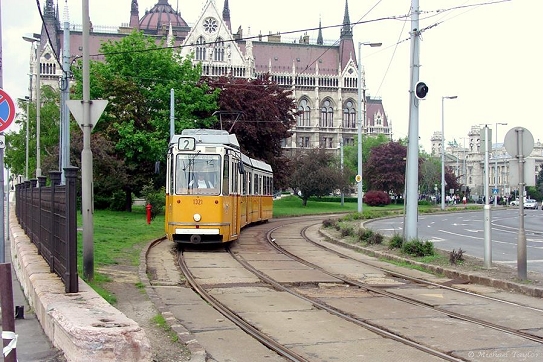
<point>162,14</point>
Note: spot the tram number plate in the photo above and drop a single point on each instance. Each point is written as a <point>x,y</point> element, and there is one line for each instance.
<point>186,143</point>
<point>198,201</point>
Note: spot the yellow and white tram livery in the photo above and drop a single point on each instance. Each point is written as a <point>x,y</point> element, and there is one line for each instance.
<point>212,189</point>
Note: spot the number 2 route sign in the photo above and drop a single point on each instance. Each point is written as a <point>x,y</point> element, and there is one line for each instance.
<point>7,110</point>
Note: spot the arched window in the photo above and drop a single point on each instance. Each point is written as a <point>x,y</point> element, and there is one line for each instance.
<point>218,52</point>
<point>304,117</point>
<point>327,114</point>
<point>349,115</point>
<point>201,49</point>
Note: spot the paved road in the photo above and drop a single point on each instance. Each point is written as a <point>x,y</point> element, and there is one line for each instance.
<point>466,230</point>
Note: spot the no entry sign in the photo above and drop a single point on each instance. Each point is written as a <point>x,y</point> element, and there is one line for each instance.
<point>7,110</point>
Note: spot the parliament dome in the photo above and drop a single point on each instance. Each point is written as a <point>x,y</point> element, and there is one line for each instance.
<point>162,14</point>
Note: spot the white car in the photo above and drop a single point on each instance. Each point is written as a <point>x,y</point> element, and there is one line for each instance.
<point>530,204</point>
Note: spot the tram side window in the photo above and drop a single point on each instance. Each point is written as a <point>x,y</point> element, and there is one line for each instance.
<point>244,183</point>
<point>226,176</point>
<point>235,177</point>
<point>250,183</point>
<point>170,172</point>
<point>267,181</point>
<point>257,184</point>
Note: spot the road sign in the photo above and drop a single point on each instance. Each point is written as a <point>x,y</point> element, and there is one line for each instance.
<point>494,191</point>
<point>96,109</point>
<point>7,110</point>
<point>358,178</point>
<point>519,141</point>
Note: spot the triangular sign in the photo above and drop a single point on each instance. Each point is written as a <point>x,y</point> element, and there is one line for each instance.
<point>96,109</point>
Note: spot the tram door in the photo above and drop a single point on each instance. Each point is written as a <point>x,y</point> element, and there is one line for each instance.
<point>234,196</point>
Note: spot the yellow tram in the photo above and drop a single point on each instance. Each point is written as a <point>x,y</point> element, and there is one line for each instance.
<point>213,190</point>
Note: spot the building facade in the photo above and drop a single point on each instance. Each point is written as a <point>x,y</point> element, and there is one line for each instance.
<point>323,76</point>
<point>467,159</point>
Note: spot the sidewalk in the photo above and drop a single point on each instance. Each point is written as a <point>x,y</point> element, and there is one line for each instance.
<point>33,345</point>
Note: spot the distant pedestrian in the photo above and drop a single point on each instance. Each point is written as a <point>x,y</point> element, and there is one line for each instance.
<point>464,200</point>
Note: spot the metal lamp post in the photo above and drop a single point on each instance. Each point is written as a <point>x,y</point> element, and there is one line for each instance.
<point>38,101</point>
<point>443,149</point>
<point>496,163</point>
<point>359,122</point>
<point>27,100</point>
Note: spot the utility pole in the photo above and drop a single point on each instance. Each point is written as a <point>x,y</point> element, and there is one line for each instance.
<point>64,159</point>
<point>412,181</point>
<point>87,113</point>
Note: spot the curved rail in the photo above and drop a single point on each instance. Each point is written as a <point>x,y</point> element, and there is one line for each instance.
<point>232,316</point>
<point>365,286</point>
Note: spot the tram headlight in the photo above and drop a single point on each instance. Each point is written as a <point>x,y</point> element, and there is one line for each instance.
<point>197,217</point>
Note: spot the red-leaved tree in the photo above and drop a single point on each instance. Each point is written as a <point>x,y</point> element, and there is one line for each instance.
<point>260,113</point>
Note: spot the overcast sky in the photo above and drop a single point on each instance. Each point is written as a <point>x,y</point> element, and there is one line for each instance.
<point>488,53</point>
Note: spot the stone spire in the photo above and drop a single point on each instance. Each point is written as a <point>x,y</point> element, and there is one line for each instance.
<point>346,44</point>
<point>49,9</point>
<point>226,15</point>
<point>170,39</point>
<point>346,30</point>
<point>320,41</point>
<point>134,15</point>
<point>50,27</point>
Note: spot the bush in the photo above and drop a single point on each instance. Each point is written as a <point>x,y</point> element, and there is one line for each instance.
<point>347,230</point>
<point>117,201</point>
<point>456,256</point>
<point>418,248</point>
<point>375,239</point>
<point>364,234</point>
<point>376,198</point>
<point>157,199</point>
<point>396,242</point>
<point>329,223</point>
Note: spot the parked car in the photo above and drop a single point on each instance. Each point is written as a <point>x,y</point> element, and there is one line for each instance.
<point>530,204</point>
<point>515,202</point>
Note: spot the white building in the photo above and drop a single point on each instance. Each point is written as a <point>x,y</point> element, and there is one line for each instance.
<point>467,160</point>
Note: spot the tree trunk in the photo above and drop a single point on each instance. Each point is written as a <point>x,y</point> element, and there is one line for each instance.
<point>128,200</point>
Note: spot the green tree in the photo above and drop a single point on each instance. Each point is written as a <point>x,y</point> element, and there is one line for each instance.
<point>136,77</point>
<point>15,156</point>
<point>350,153</point>
<point>260,113</point>
<point>316,173</point>
<point>430,175</point>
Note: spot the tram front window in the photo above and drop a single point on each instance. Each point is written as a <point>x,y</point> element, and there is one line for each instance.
<point>197,174</point>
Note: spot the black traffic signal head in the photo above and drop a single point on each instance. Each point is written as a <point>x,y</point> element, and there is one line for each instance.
<point>421,89</point>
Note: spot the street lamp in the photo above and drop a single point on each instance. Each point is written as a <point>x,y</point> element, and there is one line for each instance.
<point>359,122</point>
<point>27,99</point>
<point>443,149</point>
<point>496,163</point>
<point>37,65</point>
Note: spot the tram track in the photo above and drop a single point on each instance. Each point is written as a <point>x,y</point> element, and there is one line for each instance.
<point>418,281</point>
<point>368,324</point>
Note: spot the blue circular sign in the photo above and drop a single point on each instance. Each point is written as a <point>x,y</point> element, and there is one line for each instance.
<point>7,110</point>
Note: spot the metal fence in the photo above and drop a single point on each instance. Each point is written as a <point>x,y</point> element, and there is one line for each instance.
<point>48,216</point>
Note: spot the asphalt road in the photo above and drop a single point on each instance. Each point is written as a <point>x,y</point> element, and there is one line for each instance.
<point>465,230</point>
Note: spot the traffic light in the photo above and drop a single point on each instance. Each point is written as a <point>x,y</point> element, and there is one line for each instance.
<point>421,89</point>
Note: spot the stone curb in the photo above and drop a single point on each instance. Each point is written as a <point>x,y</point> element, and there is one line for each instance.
<point>198,353</point>
<point>474,278</point>
<point>83,325</point>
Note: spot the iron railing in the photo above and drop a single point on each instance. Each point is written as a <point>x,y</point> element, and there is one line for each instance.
<point>48,216</point>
